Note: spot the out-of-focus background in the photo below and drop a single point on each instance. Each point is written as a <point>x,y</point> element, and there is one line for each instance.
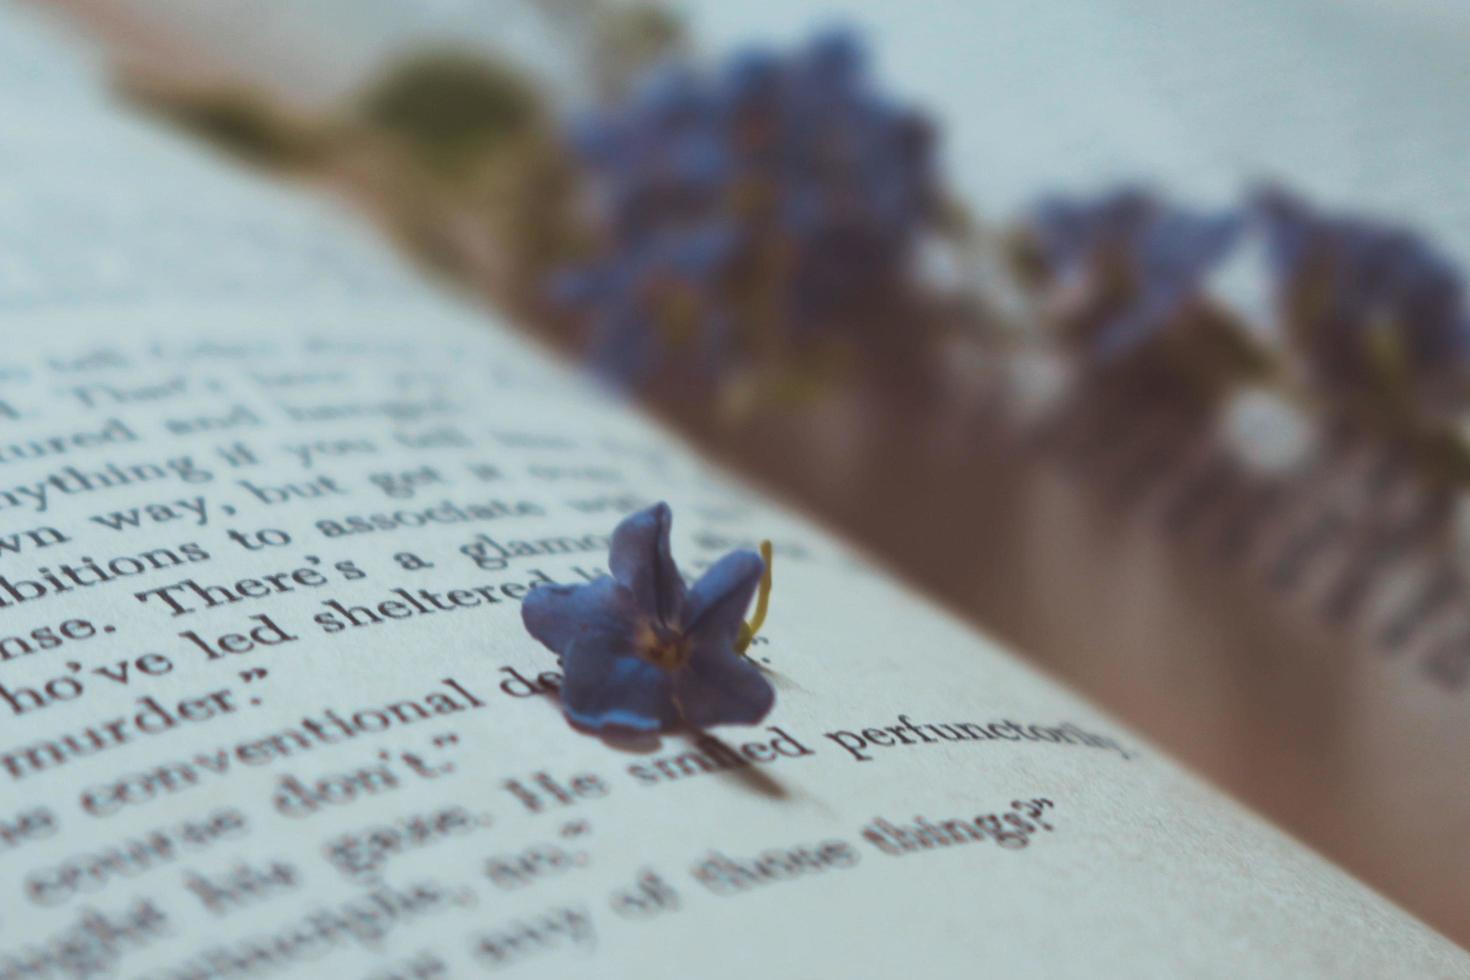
<point>1133,331</point>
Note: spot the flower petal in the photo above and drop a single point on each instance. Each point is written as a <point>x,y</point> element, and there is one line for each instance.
<point>557,614</point>
<point>595,628</point>
<point>718,601</point>
<point>610,688</point>
<point>720,687</point>
<point>640,559</point>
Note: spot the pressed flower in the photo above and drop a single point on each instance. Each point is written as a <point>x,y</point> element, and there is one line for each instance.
<point>642,653</point>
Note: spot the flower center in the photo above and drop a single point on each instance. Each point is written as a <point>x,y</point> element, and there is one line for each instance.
<point>664,648</point>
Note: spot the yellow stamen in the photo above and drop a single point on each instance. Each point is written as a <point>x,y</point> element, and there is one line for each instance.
<point>668,651</point>
<point>762,601</point>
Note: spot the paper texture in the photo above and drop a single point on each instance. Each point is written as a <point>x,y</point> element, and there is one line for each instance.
<point>267,510</point>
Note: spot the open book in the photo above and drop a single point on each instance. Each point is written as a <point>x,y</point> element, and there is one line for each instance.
<point>267,707</point>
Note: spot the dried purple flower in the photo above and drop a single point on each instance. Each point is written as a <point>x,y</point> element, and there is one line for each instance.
<point>641,653</point>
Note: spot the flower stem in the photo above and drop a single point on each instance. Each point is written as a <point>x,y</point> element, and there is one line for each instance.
<point>762,601</point>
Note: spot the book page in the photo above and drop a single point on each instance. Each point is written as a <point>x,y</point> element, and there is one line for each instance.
<point>1308,621</point>
<point>268,510</point>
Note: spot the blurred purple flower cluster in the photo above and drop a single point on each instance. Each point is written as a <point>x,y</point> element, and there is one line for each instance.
<point>1362,298</point>
<point>761,207</point>
<point>1364,305</point>
<point>1126,266</point>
